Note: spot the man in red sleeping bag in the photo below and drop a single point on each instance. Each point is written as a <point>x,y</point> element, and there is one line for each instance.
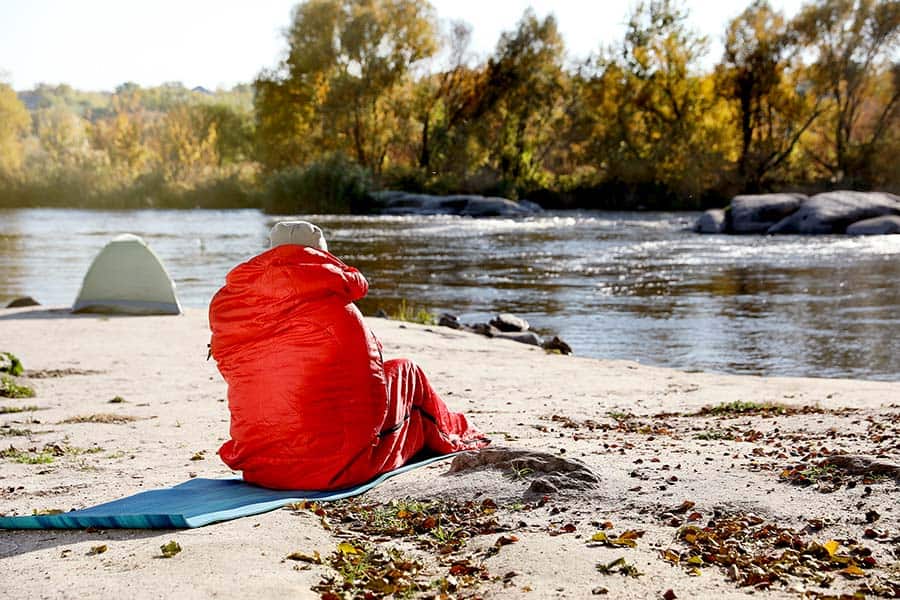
<point>313,404</point>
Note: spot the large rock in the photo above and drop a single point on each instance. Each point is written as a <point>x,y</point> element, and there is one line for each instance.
<point>23,301</point>
<point>523,337</point>
<point>757,213</point>
<point>712,221</point>
<point>402,203</point>
<point>834,212</point>
<point>510,322</point>
<point>876,226</point>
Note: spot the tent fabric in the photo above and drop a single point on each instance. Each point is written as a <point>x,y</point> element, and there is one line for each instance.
<point>313,404</point>
<point>194,503</point>
<point>127,277</point>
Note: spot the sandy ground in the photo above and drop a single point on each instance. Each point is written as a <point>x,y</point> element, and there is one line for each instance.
<point>634,426</point>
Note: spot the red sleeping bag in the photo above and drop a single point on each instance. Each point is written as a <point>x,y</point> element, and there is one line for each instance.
<point>313,405</point>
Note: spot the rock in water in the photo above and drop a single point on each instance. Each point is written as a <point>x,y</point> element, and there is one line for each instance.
<point>483,329</point>
<point>557,344</point>
<point>449,320</point>
<point>23,301</point>
<point>757,213</point>
<point>877,226</point>
<point>509,322</point>
<point>391,202</point>
<point>712,221</point>
<point>523,337</point>
<point>834,212</point>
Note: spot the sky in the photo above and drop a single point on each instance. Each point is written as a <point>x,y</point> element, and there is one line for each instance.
<point>99,44</point>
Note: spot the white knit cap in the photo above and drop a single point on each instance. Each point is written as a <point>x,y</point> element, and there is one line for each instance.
<point>300,233</point>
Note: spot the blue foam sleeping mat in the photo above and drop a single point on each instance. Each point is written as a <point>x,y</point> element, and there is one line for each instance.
<point>194,503</point>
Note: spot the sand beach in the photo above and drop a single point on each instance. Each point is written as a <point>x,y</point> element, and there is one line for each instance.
<point>682,463</point>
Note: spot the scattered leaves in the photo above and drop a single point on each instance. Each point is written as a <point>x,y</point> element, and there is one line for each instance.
<point>755,553</point>
<point>628,539</point>
<point>620,566</point>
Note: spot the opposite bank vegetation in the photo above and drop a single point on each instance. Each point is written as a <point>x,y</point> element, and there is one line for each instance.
<point>373,94</point>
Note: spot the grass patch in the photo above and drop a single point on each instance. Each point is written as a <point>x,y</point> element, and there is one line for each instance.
<point>9,363</point>
<point>106,418</point>
<point>8,410</point>
<point>739,407</point>
<point>412,314</point>
<point>46,454</point>
<point>7,431</point>
<point>27,457</point>
<point>10,389</point>
<point>714,434</point>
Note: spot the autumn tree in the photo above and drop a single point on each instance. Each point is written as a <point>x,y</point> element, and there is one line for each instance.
<point>445,102</point>
<point>521,102</point>
<point>334,90</point>
<point>854,43</point>
<point>186,144</point>
<point>658,123</point>
<point>15,123</point>
<point>760,74</point>
<point>124,134</point>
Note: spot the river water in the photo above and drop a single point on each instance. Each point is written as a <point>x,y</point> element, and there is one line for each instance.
<point>635,286</point>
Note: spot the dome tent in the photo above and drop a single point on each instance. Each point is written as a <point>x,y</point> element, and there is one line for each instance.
<point>127,277</point>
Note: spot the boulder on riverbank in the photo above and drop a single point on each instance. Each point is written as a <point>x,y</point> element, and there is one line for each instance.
<point>507,326</point>
<point>403,203</point>
<point>834,212</point>
<point>877,226</point>
<point>843,211</point>
<point>712,221</point>
<point>757,213</point>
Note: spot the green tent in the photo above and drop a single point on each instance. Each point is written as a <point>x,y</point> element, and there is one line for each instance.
<point>127,277</point>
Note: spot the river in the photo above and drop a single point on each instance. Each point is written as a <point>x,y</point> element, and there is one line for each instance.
<point>635,286</point>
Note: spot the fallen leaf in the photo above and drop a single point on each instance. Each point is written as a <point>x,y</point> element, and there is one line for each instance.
<point>669,595</point>
<point>853,572</point>
<point>97,550</point>
<point>308,558</point>
<point>347,548</point>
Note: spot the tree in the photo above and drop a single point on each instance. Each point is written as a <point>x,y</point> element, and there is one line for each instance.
<point>333,91</point>
<point>854,41</point>
<point>186,144</point>
<point>124,134</point>
<point>15,123</point>
<point>758,74</point>
<point>521,102</point>
<point>658,124</point>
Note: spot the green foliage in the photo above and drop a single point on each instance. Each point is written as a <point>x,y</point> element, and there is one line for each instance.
<point>334,185</point>
<point>412,314</point>
<point>14,124</point>
<point>10,389</point>
<point>373,94</point>
<point>739,407</point>
<point>27,457</point>
<point>9,363</point>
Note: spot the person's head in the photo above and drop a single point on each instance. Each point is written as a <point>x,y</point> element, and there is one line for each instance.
<point>300,233</point>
